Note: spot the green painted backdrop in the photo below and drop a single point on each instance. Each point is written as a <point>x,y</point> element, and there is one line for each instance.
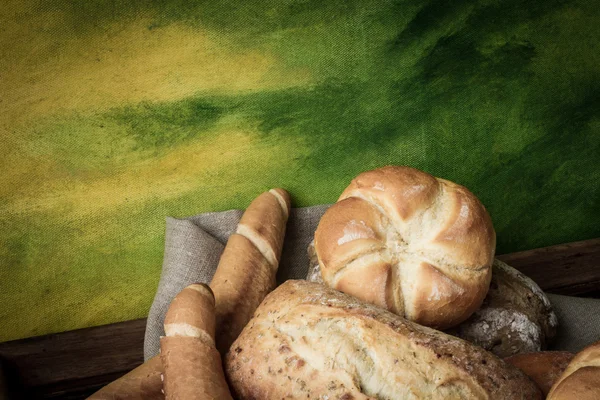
<point>117,113</point>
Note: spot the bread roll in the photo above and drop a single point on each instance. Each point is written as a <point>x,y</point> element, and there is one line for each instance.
<point>419,246</point>
<point>192,364</point>
<point>515,317</point>
<point>542,367</point>
<point>309,341</point>
<point>581,378</point>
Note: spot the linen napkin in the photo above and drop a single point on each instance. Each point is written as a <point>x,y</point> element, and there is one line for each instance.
<point>194,245</point>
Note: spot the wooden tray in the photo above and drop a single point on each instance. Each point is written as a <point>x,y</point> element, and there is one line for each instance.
<point>72,365</point>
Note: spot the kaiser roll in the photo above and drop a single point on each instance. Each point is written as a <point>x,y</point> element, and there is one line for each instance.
<point>419,246</point>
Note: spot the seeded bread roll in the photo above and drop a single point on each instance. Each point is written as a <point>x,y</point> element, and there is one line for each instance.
<point>581,378</point>
<point>515,317</point>
<point>309,341</point>
<point>416,245</point>
<point>544,367</point>
<point>192,364</point>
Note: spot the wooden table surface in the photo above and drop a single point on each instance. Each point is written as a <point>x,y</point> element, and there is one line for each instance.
<point>72,365</point>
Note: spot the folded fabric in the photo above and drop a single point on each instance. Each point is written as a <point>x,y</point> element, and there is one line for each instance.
<point>194,245</point>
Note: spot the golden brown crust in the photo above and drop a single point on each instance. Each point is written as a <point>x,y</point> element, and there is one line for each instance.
<point>544,367</point>
<point>142,383</point>
<point>402,190</point>
<point>583,384</point>
<point>265,219</point>
<point>380,276</point>
<point>192,313</point>
<point>246,274</point>
<point>192,364</point>
<point>436,236</point>
<point>309,340</point>
<point>581,378</point>
<point>193,370</point>
<point>243,279</point>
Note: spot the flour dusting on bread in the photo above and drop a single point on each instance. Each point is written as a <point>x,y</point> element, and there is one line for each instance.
<point>490,321</point>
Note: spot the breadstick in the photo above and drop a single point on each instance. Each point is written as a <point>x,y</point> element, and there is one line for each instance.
<point>244,276</point>
<point>192,364</point>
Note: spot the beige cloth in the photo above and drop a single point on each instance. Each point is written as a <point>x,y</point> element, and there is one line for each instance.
<point>194,245</point>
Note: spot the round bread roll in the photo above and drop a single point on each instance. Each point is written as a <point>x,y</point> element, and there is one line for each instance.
<point>419,246</point>
<point>543,367</point>
<point>515,317</point>
<point>581,378</point>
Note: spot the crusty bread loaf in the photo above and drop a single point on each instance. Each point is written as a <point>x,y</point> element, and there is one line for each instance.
<point>515,317</point>
<point>544,367</point>
<point>419,246</point>
<point>192,365</point>
<point>309,341</point>
<point>247,269</point>
<point>581,378</point>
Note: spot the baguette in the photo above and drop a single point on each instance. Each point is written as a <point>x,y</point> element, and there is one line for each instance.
<point>244,276</point>
<point>581,378</point>
<point>309,341</point>
<point>192,364</point>
<point>247,269</point>
<point>542,367</point>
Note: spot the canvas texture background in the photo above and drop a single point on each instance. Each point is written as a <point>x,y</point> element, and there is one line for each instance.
<point>115,114</point>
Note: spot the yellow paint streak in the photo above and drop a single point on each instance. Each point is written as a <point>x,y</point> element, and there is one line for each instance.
<point>47,70</point>
<point>184,169</point>
<point>44,68</point>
